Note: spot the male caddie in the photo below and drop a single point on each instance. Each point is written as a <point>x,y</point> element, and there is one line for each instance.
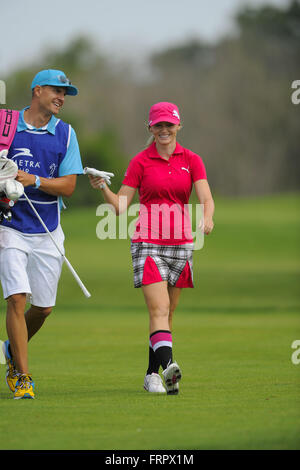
<point>47,154</point>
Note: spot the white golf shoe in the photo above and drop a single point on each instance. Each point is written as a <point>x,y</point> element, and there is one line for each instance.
<point>153,383</point>
<point>172,375</point>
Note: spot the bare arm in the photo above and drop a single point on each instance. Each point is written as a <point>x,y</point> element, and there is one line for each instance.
<point>205,197</point>
<point>62,186</point>
<point>119,201</point>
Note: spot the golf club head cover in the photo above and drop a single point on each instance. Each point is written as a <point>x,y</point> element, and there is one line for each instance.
<point>8,168</point>
<point>13,189</point>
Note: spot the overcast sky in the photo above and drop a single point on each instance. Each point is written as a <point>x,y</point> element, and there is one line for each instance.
<point>129,27</point>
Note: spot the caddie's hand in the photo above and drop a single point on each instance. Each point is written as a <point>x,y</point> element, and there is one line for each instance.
<point>206,225</point>
<point>26,179</point>
<point>5,209</point>
<point>96,182</point>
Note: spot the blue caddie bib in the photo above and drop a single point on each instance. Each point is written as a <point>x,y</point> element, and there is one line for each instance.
<point>39,153</point>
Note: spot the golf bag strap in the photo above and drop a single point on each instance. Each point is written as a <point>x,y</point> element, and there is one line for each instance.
<point>8,126</point>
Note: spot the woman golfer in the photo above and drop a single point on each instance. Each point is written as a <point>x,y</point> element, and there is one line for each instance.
<point>162,245</point>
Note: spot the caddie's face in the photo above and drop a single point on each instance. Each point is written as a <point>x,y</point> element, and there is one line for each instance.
<point>164,132</point>
<point>51,98</point>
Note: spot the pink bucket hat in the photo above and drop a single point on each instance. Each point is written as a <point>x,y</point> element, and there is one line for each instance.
<point>164,112</point>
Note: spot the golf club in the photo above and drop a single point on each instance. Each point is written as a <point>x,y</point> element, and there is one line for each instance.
<point>77,278</point>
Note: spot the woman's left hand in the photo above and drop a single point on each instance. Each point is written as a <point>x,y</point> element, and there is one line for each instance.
<point>204,195</point>
<point>206,225</point>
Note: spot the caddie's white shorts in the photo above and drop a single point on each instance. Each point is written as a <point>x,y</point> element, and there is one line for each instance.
<point>31,264</point>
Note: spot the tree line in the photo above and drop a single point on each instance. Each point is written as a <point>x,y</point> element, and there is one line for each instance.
<point>234,96</point>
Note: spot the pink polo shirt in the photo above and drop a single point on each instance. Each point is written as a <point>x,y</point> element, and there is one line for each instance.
<point>164,190</point>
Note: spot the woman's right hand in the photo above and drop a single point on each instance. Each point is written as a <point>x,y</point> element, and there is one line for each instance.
<point>96,182</point>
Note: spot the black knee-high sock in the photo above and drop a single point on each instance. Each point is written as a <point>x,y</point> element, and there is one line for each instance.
<point>161,342</point>
<point>153,364</point>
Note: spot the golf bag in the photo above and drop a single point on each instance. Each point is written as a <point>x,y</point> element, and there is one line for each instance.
<point>10,189</point>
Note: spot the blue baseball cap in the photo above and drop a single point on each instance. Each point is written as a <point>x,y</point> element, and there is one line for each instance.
<point>54,78</point>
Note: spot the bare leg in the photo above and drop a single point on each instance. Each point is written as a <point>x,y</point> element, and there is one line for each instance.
<point>17,331</point>
<point>174,294</point>
<point>35,318</point>
<point>158,303</point>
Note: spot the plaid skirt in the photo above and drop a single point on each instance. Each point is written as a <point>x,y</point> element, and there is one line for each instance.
<point>155,263</point>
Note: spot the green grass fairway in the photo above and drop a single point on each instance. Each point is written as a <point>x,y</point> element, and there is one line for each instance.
<point>232,337</point>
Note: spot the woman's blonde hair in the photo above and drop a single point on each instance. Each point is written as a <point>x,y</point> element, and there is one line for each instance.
<point>150,141</point>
